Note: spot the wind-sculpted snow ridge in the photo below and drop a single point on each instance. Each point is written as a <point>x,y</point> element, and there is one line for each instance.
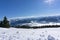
<point>30,34</point>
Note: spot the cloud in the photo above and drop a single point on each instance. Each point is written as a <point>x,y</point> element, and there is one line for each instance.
<point>49,2</point>
<point>23,17</point>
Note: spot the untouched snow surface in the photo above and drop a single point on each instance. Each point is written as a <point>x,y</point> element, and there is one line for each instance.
<point>29,34</point>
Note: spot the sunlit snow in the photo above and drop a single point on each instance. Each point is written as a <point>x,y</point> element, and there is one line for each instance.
<point>29,34</point>
<point>32,24</point>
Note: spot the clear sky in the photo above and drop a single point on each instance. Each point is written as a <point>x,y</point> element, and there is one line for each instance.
<point>18,8</point>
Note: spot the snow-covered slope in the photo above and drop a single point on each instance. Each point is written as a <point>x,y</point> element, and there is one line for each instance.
<point>33,24</point>
<point>29,34</point>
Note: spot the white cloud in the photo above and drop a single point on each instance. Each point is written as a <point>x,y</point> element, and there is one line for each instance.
<point>49,2</point>
<point>23,17</point>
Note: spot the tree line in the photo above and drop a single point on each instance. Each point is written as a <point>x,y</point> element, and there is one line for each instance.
<point>4,23</point>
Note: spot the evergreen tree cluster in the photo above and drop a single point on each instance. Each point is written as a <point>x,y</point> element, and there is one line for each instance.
<point>4,23</point>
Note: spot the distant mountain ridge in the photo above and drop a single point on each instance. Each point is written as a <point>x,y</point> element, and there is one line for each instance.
<point>18,21</point>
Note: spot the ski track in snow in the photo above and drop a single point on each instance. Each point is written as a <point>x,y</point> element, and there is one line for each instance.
<point>29,34</point>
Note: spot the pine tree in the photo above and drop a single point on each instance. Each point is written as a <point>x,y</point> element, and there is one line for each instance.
<point>1,24</point>
<point>6,22</point>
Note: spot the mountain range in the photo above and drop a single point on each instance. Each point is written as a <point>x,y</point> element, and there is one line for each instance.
<point>41,20</point>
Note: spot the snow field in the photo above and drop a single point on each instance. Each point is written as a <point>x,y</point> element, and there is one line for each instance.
<point>29,34</point>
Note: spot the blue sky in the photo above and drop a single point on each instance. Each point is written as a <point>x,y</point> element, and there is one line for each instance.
<point>21,8</point>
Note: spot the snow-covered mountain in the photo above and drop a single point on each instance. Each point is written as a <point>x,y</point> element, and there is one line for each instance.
<point>35,21</point>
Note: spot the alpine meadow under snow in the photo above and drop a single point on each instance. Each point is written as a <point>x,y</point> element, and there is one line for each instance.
<point>29,34</point>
